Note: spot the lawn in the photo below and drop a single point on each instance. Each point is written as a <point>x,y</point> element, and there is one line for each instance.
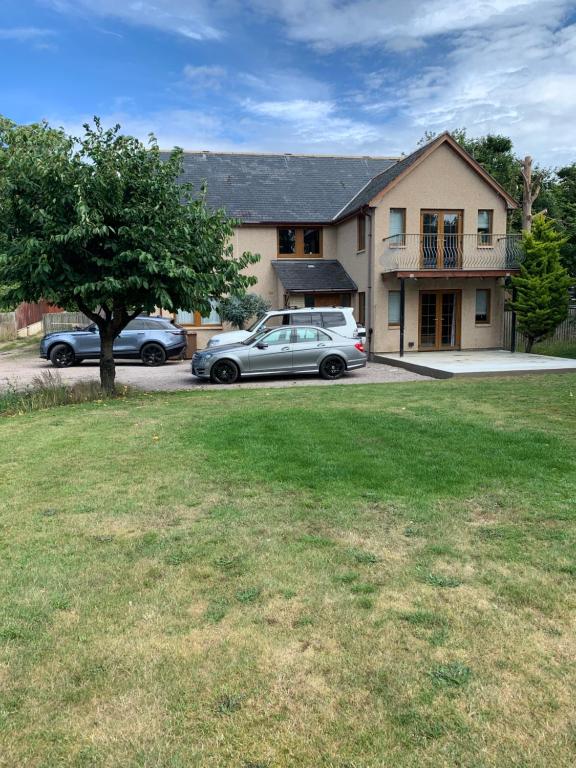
<point>328,577</point>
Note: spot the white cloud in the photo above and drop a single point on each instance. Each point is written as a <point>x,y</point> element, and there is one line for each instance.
<point>208,77</point>
<point>331,24</point>
<point>193,19</point>
<point>186,128</point>
<point>287,84</point>
<point>26,34</point>
<point>316,122</point>
<point>519,80</point>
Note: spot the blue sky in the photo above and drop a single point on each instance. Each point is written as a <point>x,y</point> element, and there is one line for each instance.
<point>323,76</point>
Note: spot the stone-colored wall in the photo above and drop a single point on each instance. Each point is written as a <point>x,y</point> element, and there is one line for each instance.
<point>443,181</point>
<point>484,336</point>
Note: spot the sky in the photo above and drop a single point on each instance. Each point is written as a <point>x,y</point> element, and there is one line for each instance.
<point>354,77</point>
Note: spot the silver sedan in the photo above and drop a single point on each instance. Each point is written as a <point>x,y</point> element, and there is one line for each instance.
<point>290,349</point>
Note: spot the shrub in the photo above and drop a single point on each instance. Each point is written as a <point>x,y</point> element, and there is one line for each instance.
<point>237,310</point>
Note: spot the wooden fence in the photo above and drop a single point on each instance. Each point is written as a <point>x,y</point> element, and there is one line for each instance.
<point>8,328</point>
<point>64,321</point>
<point>566,331</point>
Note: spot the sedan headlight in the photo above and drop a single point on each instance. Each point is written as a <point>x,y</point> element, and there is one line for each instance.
<point>207,356</point>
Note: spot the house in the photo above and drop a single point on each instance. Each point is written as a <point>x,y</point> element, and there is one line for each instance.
<point>417,245</point>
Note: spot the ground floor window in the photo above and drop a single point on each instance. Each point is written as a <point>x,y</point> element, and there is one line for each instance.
<point>393,308</point>
<point>482,306</point>
<point>197,319</point>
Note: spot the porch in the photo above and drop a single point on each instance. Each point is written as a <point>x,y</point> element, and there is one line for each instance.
<point>474,362</point>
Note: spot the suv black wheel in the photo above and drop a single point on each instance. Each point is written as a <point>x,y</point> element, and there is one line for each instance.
<point>62,356</point>
<point>153,354</point>
<point>332,367</point>
<point>224,372</point>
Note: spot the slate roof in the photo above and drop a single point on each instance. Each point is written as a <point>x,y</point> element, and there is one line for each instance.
<point>318,275</point>
<point>281,188</point>
<point>379,182</point>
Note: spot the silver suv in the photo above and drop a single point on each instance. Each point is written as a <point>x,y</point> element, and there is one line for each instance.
<point>152,339</point>
<point>338,319</point>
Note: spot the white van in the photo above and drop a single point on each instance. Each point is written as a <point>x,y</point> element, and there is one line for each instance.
<point>338,319</point>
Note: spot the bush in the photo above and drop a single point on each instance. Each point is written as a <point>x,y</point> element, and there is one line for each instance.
<point>237,310</point>
<point>48,391</point>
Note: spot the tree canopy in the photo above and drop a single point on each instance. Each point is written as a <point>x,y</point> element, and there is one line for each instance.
<point>101,223</point>
<point>541,288</point>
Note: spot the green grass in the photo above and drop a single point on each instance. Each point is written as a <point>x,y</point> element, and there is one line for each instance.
<point>24,346</point>
<point>556,348</point>
<point>336,576</point>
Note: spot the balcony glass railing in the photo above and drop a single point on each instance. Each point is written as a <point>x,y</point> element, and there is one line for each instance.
<point>434,252</point>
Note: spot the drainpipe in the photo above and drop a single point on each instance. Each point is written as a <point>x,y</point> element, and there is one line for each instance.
<point>402,308</point>
<point>369,296</point>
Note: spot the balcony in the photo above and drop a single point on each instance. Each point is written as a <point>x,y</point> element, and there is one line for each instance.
<point>451,255</point>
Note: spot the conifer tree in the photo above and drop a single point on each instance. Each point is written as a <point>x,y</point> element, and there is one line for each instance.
<point>542,297</point>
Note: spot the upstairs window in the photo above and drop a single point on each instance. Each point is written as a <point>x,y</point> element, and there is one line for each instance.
<point>299,242</point>
<point>397,227</point>
<point>286,242</point>
<point>361,232</point>
<point>485,227</point>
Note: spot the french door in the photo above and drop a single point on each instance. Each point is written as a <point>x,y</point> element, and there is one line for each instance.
<point>441,239</point>
<point>439,320</point>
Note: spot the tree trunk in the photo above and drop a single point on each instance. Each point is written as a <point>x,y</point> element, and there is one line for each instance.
<point>529,343</point>
<point>527,194</point>
<point>107,366</point>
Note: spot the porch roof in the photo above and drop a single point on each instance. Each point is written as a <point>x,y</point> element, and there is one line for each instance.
<point>314,276</point>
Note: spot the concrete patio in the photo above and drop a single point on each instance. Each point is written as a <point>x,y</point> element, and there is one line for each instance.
<point>493,362</point>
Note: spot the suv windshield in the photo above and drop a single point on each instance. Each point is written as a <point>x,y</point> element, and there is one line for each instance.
<point>253,326</point>
<point>255,337</point>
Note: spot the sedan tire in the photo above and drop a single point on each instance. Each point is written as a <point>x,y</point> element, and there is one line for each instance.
<point>153,355</point>
<point>62,356</point>
<point>224,372</point>
<point>332,367</point>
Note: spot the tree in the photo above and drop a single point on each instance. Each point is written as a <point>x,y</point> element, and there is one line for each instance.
<point>542,286</point>
<point>564,201</point>
<point>101,224</point>
<point>495,153</point>
<point>237,310</point>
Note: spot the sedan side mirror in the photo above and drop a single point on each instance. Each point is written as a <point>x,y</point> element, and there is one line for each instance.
<point>262,345</point>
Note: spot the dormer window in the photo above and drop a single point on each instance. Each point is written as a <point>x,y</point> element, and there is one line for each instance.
<point>299,242</point>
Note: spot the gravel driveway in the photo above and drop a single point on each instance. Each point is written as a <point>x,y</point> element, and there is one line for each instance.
<point>19,370</point>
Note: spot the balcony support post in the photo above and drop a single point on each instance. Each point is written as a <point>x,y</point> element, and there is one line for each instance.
<point>513,324</point>
<point>402,308</point>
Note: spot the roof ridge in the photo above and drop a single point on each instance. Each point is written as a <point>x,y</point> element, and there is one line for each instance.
<point>285,154</point>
